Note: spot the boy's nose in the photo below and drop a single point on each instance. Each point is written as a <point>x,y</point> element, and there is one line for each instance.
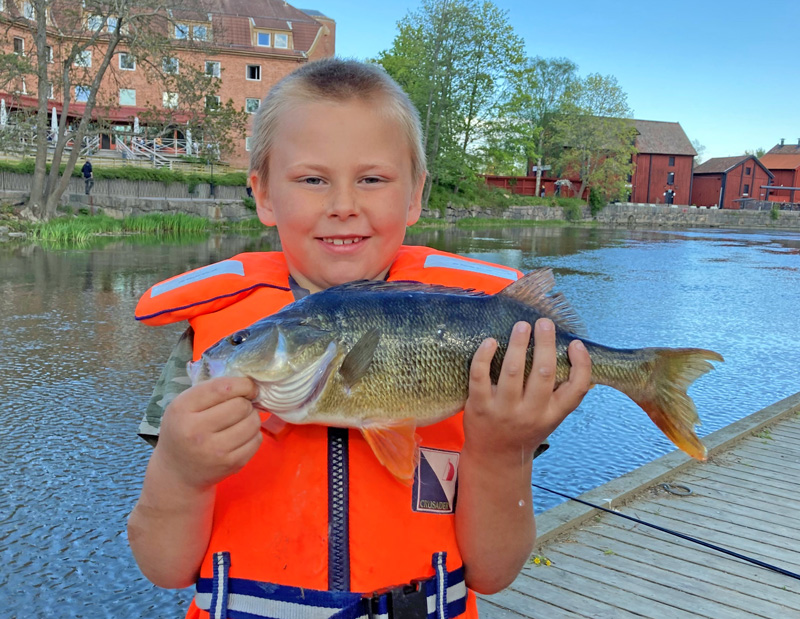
<point>343,203</point>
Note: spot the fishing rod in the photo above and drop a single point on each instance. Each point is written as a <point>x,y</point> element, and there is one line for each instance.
<point>689,538</point>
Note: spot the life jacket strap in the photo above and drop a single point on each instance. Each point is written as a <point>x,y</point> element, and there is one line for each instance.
<point>444,597</point>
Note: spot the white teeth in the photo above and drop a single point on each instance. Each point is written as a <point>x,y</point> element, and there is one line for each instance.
<point>342,241</point>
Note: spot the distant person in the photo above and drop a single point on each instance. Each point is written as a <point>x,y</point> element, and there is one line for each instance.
<point>542,193</point>
<point>88,175</point>
<point>248,188</point>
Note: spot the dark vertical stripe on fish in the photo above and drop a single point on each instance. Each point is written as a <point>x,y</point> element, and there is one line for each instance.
<point>338,516</point>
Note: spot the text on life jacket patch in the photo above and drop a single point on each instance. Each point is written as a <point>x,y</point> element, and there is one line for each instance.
<point>226,267</point>
<point>435,481</point>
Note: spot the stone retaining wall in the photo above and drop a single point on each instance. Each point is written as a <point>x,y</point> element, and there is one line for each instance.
<point>637,216</point>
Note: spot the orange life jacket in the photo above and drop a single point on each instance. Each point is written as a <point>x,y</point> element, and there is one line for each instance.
<point>280,517</point>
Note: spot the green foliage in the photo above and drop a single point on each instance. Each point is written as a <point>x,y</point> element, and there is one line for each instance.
<point>249,203</point>
<point>135,173</point>
<point>774,213</point>
<point>596,201</point>
<point>572,212</point>
<point>453,58</point>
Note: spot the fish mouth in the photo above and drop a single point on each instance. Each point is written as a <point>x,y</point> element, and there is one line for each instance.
<point>204,369</point>
<point>291,397</point>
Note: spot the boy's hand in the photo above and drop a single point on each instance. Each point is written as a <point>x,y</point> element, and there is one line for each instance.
<point>209,432</point>
<point>511,419</point>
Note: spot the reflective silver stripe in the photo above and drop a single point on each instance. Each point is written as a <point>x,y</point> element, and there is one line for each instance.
<point>441,583</point>
<point>267,608</point>
<point>219,585</point>
<point>452,262</point>
<point>287,610</point>
<point>226,267</point>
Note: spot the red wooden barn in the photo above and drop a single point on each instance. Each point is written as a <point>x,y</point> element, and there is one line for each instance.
<point>722,181</point>
<point>784,163</point>
<point>663,165</point>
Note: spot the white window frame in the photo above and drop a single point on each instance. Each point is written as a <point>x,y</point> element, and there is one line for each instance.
<point>84,59</point>
<point>248,143</point>
<point>48,52</point>
<point>217,102</point>
<point>181,32</point>
<point>95,22</point>
<point>284,37</point>
<point>247,104</point>
<point>28,10</point>
<point>247,73</point>
<point>2,5</point>
<point>206,31</point>
<point>216,64</point>
<point>169,71</point>
<point>82,89</point>
<point>269,39</point>
<point>127,90</point>
<point>169,100</point>
<point>111,24</point>
<point>131,58</point>
<point>21,51</point>
<point>50,92</point>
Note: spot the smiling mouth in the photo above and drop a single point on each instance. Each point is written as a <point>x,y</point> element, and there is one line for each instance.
<point>347,241</point>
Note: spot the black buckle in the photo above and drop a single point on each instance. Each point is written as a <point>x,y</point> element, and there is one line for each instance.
<point>403,602</point>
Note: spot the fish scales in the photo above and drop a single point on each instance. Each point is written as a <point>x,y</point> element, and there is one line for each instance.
<point>386,357</point>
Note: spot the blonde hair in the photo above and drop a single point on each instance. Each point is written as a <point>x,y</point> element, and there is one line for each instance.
<point>336,80</point>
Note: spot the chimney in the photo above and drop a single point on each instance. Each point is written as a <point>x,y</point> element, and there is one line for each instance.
<point>781,141</point>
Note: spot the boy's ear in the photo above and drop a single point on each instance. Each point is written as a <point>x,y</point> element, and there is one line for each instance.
<point>260,187</point>
<point>415,207</point>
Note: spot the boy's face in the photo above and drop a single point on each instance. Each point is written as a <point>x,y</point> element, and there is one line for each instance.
<point>340,190</point>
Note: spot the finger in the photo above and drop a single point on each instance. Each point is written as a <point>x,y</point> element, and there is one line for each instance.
<point>480,383</point>
<point>569,395</point>
<point>512,374</point>
<point>229,414</point>
<point>210,393</point>
<point>241,433</point>
<point>542,378</point>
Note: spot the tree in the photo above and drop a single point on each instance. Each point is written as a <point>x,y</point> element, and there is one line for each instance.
<point>453,58</point>
<point>71,48</point>
<point>757,152</point>
<point>541,90</point>
<point>597,136</point>
<point>699,149</point>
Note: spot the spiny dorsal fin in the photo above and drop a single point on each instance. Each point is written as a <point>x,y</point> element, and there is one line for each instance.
<point>370,285</point>
<point>358,360</point>
<point>533,289</point>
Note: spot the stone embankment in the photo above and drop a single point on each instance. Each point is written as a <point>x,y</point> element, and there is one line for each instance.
<point>636,216</point>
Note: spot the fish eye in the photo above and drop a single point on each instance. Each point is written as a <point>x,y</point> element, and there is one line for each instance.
<point>239,337</point>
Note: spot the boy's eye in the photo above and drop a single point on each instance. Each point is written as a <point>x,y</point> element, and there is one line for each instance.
<point>312,180</point>
<point>371,180</point>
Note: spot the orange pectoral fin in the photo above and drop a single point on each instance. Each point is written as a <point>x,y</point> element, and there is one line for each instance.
<point>395,445</point>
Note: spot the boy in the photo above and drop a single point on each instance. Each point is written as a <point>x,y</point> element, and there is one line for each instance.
<point>291,525</point>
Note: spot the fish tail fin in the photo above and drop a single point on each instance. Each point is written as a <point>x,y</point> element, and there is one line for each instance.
<point>663,396</point>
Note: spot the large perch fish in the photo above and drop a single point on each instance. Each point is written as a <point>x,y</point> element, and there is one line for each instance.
<point>386,357</point>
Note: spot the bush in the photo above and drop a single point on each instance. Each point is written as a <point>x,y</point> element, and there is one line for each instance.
<point>249,203</point>
<point>774,213</point>
<point>596,201</point>
<point>573,212</point>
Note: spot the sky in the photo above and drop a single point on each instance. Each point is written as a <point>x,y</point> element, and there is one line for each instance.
<point>728,72</point>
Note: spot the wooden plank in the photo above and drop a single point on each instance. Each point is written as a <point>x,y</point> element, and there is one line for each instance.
<point>708,563</point>
<point>649,585</point>
<point>724,486</point>
<point>730,587</point>
<point>547,597</point>
<point>581,576</point>
<point>765,548</point>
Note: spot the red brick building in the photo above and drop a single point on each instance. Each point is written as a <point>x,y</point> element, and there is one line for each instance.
<point>662,171</point>
<point>723,181</point>
<point>248,44</point>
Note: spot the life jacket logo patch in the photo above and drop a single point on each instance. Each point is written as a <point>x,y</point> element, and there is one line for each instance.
<point>435,481</point>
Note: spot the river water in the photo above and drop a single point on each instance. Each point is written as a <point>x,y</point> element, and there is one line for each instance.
<point>76,371</point>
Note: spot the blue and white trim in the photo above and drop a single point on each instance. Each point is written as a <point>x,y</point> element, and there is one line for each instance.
<point>454,262</point>
<point>236,598</point>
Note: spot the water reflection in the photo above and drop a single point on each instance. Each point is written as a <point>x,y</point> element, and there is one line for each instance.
<point>76,371</point>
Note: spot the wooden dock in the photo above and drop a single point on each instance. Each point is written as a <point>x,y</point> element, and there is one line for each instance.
<point>746,499</point>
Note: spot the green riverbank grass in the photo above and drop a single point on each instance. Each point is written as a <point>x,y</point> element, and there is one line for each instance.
<point>80,229</point>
